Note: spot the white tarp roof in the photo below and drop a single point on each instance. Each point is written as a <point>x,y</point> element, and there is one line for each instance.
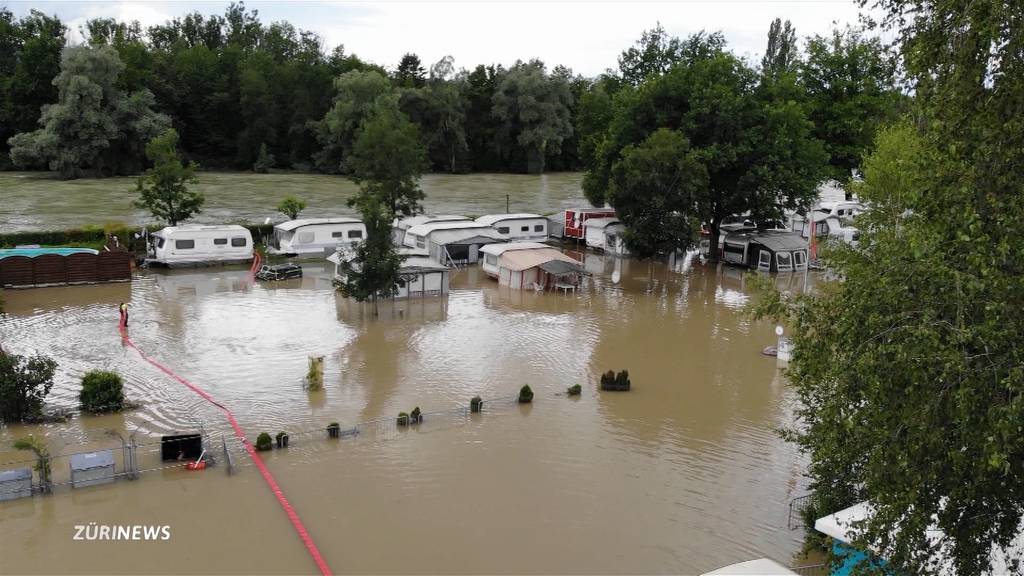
<point>518,260</point>
<point>293,224</point>
<point>406,223</point>
<point>499,249</point>
<point>759,567</point>
<point>426,229</point>
<point>491,219</point>
<point>601,222</point>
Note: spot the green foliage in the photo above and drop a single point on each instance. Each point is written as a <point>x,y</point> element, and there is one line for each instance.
<point>291,206</point>
<point>654,188</point>
<point>532,109</point>
<point>356,94</point>
<point>38,447</point>
<point>315,374</point>
<point>373,271</point>
<point>575,390</point>
<point>24,384</point>
<point>403,419</point>
<point>849,82</point>
<point>909,370</point>
<point>94,127</point>
<point>264,442</point>
<point>264,162</point>
<point>388,159</point>
<point>415,417</point>
<point>525,394</point>
<point>164,189</point>
<point>617,382</point>
<point>656,52</point>
<point>781,55</point>
<point>410,72</point>
<point>102,391</point>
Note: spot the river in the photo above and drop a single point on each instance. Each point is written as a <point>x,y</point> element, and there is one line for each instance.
<point>34,201</point>
<point>682,474</point>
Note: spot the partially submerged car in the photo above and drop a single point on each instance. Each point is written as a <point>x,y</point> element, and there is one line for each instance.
<point>279,272</point>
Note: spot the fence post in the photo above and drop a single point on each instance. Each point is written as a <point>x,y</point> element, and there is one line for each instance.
<point>227,456</point>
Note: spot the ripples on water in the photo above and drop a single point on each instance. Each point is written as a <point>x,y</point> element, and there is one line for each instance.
<point>685,471</point>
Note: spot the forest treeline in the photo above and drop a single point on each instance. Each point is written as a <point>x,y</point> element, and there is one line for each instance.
<point>244,93</point>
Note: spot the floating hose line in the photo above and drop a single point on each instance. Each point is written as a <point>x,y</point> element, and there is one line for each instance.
<point>307,540</point>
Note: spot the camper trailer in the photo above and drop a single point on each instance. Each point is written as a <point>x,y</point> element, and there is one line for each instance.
<point>400,226</point>
<point>767,251</point>
<point>452,243</point>
<point>576,217</point>
<point>606,234</point>
<point>518,226</point>
<point>198,245</point>
<point>492,252</point>
<point>419,276</point>
<point>315,235</point>
<point>534,266</point>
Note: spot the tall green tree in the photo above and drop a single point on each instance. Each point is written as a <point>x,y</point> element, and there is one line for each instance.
<point>373,272</point>
<point>781,55</point>
<point>655,187</point>
<point>24,384</point>
<point>164,189</point>
<point>388,159</point>
<point>94,127</point>
<point>532,108</point>
<point>356,93</point>
<point>410,72</point>
<point>849,81</point>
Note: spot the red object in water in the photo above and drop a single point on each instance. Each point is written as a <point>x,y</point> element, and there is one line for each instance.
<point>201,465</point>
<point>575,217</point>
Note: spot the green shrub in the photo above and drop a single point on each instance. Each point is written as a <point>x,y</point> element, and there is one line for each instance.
<point>24,384</point>
<point>617,382</point>
<point>315,373</point>
<point>415,417</point>
<point>264,162</point>
<point>622,380</point>
<point>476,404</point>
<point>403,419</point>
<point>575,390</point>
<point>608,380</point>
<point>525,394</point>
<point>282,439</point>
<point>102,391</point>
<point>263,442</point>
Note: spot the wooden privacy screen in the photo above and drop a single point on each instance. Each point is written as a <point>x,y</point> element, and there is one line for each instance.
<point>51,269</point>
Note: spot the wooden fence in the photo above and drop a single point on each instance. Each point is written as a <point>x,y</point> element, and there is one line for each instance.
<point>55,270</point>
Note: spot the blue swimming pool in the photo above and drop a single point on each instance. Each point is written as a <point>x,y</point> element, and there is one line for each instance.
<point>33,252</point>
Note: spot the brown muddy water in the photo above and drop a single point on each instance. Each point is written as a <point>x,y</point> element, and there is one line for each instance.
<point>33,201</point>
<point>683,474</point>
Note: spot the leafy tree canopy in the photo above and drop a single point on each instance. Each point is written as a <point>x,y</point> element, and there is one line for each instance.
<point>24,384</point>
<point>164,189</point>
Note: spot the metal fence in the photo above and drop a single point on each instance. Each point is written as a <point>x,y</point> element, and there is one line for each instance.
<point>797,507</point>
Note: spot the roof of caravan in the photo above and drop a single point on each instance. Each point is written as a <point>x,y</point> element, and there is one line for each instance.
<point>490,219</point>
<point>426,229</point>
<point>293,224</point>
<point>761,566</point>
<point>526,259</point>
<point>601,222</point>
<point>202,228</point>
<point>411,221</point>
<point>410,264</point>
<point>780,240</point>
<point>499,249</point>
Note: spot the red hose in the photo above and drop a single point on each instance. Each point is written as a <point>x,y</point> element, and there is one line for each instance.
<point>267,476</point>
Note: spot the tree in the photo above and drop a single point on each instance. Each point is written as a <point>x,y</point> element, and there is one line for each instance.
<point>388,159</point>
<point>532,109</point>
<point>264,162</point>
<point>164,189</point>
<point>94,127</point>
<point>757,150</point>
<point>654,53</point>
<point>654,188</point>
<point>410,72</point>
<point>24,384</point>
<point>849,83</point>
<point>291,206</point>
<point>909,371</point>
<point>781,55</point>
<point>357,92</point>
<point>42,452</point>
<point>102,391</point>
<point>373,271</point>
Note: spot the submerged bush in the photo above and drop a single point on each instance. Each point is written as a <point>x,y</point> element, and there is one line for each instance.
<point>315,373</point>
<point>575,390</point>
<point>403,419</point>
<point>476,404</point>
<point>282,439</point>
<point>263,442</point>
<point>617,382</point>
<point>415,417</point>
<point>102,391</point>
<point>525,394</point>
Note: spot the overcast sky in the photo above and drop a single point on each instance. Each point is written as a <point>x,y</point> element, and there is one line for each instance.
<point>585,36</point>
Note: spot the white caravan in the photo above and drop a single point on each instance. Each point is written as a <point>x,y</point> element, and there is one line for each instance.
<point>196,244</point>
<point>315,235</point>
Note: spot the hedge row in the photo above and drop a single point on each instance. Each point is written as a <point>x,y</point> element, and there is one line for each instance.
<point>96,234</point>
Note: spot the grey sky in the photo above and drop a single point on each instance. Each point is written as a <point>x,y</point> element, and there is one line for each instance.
<point>585,36</point>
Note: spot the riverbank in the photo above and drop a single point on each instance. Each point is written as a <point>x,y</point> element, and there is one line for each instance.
<point>35,202</point>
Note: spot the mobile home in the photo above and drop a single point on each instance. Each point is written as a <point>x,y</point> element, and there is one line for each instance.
<point>606,234</point>
<point>196,245</point>
<point>576,217</point>
<point>767,251</point>
<point>420,276</point>
<point>452,242</point>
<point>538,267</point>
<point>401,226</point>
<point>491,252</point>
<point>518,226</point>
<point>315,235</point>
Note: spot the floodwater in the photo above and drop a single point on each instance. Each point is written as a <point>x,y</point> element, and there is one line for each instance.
<point>33,201</point>
<point>682,474</point>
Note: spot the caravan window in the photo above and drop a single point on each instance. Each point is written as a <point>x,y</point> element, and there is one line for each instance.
<point>184,244</point>
<point>338,234</point>
<point>524,229</point>
<point>304,238</point>
<point>238,242</point>
<point>491,259</point>
<point>784,260</point>
<point>538,228</point>
<point>764,260</point>
<point>420,241</point>
<point>220,241</point>
<point>355,233</point>
<point>799,259</point>
<point>503,230</point>
<point>159,241</point>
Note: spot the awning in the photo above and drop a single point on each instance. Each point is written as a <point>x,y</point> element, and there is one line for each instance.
<point>561,267</point>
<point>518,260</point>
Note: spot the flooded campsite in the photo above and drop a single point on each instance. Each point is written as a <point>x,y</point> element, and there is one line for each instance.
<point>684,473</point>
